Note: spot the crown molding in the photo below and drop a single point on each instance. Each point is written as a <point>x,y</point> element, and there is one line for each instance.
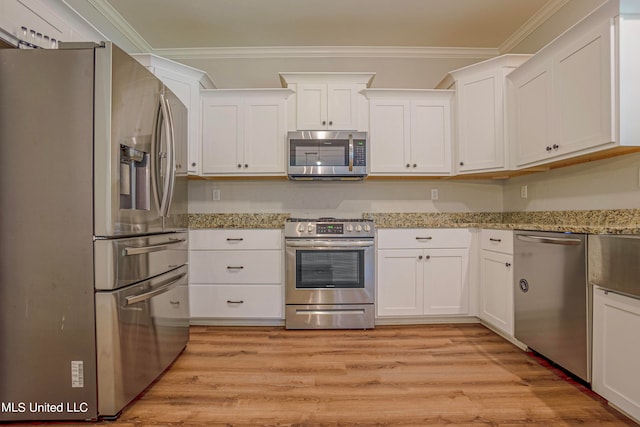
<point>532,24</point>
<point>119,24</point>
<point>325,52</point>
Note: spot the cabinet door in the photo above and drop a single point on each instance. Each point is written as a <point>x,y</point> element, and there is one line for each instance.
<point>445,281</point>
<point>264,136</point>
<point>583,92</point>
<point>430,137</point>
<point>342,103</point>
<point>616,350</point>
<point>496,290</point>
<point>532,112</point>
<point>222,133</point>
<point>399,289</point>
<point>390,136</point>
<point>480,122</point>
<point>311,106</point>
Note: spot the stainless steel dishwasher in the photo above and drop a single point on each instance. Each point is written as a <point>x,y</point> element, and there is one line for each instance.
<point>551,298</point>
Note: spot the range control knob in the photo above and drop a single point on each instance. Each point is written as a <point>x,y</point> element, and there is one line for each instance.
<point>367,228</point>
<point>349,228</point>
<point>310,228</point>
<point>358,228</point>
<point>300,228</point>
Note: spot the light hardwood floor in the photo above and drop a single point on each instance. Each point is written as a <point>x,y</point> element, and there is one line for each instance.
<point>400,375</point>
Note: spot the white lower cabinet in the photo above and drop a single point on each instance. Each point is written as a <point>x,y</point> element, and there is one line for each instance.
<point>496,279</point>
<point>616,350</point>
<point>236,274</point>
<point>422,272</point>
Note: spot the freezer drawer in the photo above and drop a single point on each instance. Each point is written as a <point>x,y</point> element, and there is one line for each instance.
<point>121,262</point>
<point>140,330</point>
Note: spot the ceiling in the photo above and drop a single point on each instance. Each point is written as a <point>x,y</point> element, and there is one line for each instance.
<point>311,23</point>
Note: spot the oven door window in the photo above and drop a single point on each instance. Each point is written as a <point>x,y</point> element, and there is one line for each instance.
<point>329,269</point>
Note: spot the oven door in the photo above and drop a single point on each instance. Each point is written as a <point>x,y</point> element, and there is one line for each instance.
<point>331,271</point>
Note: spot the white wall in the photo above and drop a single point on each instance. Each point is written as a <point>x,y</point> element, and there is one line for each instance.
<point>605,184</point>
<point>344,198</point>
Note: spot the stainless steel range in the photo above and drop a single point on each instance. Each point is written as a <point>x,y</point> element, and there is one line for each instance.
<point>330,282</point>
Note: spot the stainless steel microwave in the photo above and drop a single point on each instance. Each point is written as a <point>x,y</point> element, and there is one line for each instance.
<point>328,155</point>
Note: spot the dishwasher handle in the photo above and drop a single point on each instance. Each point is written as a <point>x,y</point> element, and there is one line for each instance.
<point>567,241</point>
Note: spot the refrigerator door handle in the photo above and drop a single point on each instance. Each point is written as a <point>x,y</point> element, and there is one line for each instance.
<point>171,161</point>
<point>151,248</point>
<point>165,286</point>
<point>167,185</point>
<point>550,240</point>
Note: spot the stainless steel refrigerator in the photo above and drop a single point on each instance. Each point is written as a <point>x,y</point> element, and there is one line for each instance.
<point>93,242</point>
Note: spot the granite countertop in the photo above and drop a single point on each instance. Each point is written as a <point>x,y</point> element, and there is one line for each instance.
<point>617,221</point>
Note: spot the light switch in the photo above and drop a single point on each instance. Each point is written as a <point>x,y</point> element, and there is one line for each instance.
<point>434,194</point>
<point>216,194</point>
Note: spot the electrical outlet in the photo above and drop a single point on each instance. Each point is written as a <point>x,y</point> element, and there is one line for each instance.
<point>523,192</point>
<point>215,194</point>
<point>434,194</point>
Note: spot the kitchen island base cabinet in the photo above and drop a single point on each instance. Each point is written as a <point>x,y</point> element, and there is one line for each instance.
<point>236,277</point>
<point>422,272</point>
<point>616,350</point>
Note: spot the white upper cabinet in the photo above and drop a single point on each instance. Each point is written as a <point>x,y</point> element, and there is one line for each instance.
<point>578,95</point>
<point>327,101</point>
<point>480,112</point>
<point>244,131</point>
<point>410,131</point>
<point>185,82</point>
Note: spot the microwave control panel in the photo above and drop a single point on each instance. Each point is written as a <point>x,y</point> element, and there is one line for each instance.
<point>359,152</point>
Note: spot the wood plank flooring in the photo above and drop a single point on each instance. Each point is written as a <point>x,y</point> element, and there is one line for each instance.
<point>393,375</point>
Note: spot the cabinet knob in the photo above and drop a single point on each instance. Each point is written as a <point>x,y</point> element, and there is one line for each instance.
<point>461,163</point>
<point>239,165</point>
<point>330,122</point>
<point>556,146</point>
<point>428,257</point>
<point>246,165</point>
<point>548,148</point>
<point>507,264</point>
<point>324,122</point>
<point>415,165</point>
<point>193,164</point>
<point>420,257</point>
<point>408,165</point>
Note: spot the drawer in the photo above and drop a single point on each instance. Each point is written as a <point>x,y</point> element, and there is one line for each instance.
<point>420,238</point>
<point>235,239</point>
<point>238,301</point>
<point>235,266</point>
<point>497,240</point>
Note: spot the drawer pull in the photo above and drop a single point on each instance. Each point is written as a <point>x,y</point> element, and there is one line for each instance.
<point>495,240</point>
<point>235,302</point>
<point>239,239</point>
<point>424,238</point>
<point>174,302</point>
<point>231,267</point>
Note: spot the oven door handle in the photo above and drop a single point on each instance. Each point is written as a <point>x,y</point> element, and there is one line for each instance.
<point>329,244</point>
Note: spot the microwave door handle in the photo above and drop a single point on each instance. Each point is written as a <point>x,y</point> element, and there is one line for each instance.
<point>350,152</point>
<point>165,286</point>
<point>171,160</point>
